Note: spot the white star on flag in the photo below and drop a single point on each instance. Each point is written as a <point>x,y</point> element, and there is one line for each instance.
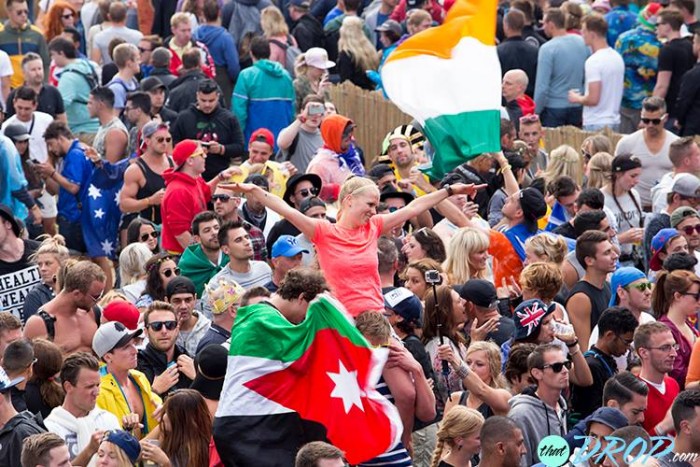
<point>94,192</point>
<point>116,197</point>
<point>346,387</point>
<point>107,247</point>
<point>99,213</point>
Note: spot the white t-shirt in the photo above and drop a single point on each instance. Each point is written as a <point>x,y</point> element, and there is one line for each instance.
<point>36,128</point>
<point>627,214</point>
<point>654,166</point>
<point>103,38</point>
<point>621,361</point>
<point>605,66</point>
<point>65,425</point>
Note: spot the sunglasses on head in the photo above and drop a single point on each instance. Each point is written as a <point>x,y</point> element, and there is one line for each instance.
<point>153,234</point>
<point>688,229</point>
<point>158,325</point>
<point>653,121</point>
<point>169,272</point>
<point>530,118</point>
<point>642,287</point>
<point>308,192</point>
<point>557,367</point>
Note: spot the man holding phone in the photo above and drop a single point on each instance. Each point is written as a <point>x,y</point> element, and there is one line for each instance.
<point>300,141</point>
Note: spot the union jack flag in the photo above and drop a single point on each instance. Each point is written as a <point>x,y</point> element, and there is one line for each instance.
<point>531,315</point>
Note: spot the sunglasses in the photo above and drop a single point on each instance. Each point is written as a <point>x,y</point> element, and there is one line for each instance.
<point>393,209</point>
<point>642,287</point>
<point>97,298</point>
<point>688,229</point>
<point>557,367</point>
<point>308,192</point>
<point>142,50</point>
<point>68,16</point>
<point>653,121</point>
<point>695,295</point>
<point>22,13</point>
<point>160,139</point>
<point>153,234</point>
<point>169,272</point>
<point>221,197</point>
<point>157,326</point>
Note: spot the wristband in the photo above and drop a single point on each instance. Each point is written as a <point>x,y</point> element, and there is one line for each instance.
<point>449,190</point>
<point>462,371</point>
<point>573,344</point>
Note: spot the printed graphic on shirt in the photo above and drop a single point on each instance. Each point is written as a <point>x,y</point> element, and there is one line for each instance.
<point>14,288</point>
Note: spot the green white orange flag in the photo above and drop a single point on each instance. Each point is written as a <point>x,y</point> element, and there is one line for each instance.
<point>449,79</point>
<point>282,378</point>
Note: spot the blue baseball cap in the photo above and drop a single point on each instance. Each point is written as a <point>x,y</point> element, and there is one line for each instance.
<point>609,417</point>
<point>405,304</point>
<point>658,243</point>
<point>287,246</point>
<point>622,278</point>
<point>126,442</point>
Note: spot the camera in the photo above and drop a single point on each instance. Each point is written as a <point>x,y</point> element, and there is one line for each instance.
<point>433,277</point>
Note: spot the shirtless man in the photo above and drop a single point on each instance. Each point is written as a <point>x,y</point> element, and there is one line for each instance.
<point>144,187</point>
<point>73,326</point>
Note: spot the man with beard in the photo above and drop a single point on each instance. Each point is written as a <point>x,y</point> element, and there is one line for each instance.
<point>403,157</point>
<point>165,363</point>
<point>657,349</point>
<point>502,443</point>
<point>248,273</point>
<point>192,325</point>
<point>203,259</point>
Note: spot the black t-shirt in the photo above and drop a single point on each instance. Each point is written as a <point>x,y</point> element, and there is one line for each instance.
<point>17,279</point>
<point>677,57</point>
<point>506,329</point>
<point>566,230</point>
<point>50,102</point>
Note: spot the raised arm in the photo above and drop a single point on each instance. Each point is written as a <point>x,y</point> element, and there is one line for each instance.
<point>424,203</point>
<point>307,225</point>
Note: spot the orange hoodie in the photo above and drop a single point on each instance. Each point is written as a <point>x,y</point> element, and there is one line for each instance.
<point>332,131</point>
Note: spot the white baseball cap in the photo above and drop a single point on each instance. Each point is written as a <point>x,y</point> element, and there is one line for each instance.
<point>111,336</point>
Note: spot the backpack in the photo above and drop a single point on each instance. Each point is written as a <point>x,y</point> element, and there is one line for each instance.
<point>92,80</point>
<point>245,24</point>
<point>50,321</point>
<point>291,53</point>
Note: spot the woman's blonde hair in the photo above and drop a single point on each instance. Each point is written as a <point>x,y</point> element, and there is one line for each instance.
<point>544,280</point>
<point>564,160</point>
<point>599,170</point>
<point>352,187</point>
<point>112,296</point>
<point>51,245</point>
<point>552,246</point>
<point>121,457</point>
<point>460,421</point>
<point>493,355</point>
<point>354,42</point>
<point>599,143</point>
<point>132,263</point>
<point>272,22</point>
<point>466,241</point>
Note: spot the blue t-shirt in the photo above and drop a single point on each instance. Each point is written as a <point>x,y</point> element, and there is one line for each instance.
<point>121,88</point>
<point>76,168</point>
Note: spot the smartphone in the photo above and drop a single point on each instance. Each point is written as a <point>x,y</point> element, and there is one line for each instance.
<point>171,364</point>
<point>316,109</point>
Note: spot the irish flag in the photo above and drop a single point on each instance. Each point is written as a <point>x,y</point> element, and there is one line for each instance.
<point>288,384</point>
<point>449,79</point>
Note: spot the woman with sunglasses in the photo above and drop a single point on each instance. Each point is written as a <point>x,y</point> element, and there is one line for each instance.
<point>424,243</point>
<point>347,250</point>
<point>592,146</point>
<point>676,299</point>
<point>61,15</point>
<point>144,231</point>
<point>625,203</point>
<point>160,270</point>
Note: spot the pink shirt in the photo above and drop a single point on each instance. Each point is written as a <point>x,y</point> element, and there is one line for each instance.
<point>348,259</point>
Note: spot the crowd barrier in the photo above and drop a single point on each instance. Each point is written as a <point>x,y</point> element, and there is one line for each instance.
<point>375,116</point>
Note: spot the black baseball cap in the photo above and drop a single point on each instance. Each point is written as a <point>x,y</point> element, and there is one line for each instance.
<point>480,292</point>
<point>6,213</point>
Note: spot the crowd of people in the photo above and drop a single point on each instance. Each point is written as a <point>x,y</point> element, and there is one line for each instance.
<point>165,163</point>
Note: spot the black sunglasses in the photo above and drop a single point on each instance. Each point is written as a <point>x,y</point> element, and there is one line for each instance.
<point>153,234</point>
<point>221,197</point>
<point>169,272</point>
<point>160,139</point>
<point>557,367</point>
<point>308,192</point>
<point>158,325</point>
<point>67,16</point>
<point>142,50</point>
<point>653,121</point>
<point>688,229</point>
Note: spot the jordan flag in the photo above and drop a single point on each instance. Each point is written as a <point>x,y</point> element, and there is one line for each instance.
<point>449,79</point>
<point>290,384</point>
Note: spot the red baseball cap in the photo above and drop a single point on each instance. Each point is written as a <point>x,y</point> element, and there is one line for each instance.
<point>264,135</point>
<point>123,312</point>
<point>184,150</point>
